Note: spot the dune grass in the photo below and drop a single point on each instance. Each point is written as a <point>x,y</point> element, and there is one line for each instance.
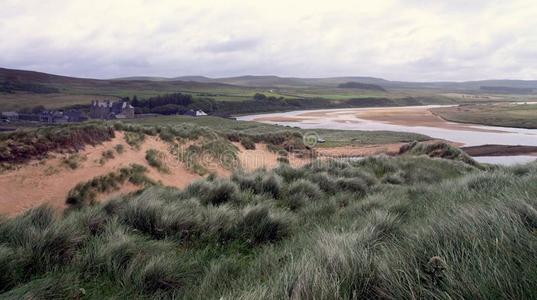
<point>405,227</point>
<point>85,193</point>
<point>24,145</point>
<point>155,159</point>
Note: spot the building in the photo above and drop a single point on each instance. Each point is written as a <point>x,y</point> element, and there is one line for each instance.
<point>10,116</point>
<point>111,110</point>
<point>52,116</point>
<point>74,115</point>
<point>195,113</point>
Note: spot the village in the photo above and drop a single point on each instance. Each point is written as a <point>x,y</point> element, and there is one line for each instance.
<point>99,109</point>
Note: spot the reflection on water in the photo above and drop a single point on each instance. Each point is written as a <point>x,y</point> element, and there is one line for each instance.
<point>506,160</point>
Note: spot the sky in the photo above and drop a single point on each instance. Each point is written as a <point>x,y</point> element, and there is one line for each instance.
<point>411,40</point>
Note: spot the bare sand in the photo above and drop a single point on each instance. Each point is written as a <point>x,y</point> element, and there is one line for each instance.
<point>370,150</point>
<point>49,180</point>
<point>261,157</point>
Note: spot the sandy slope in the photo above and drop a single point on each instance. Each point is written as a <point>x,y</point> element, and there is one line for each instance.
<point>49,181</point>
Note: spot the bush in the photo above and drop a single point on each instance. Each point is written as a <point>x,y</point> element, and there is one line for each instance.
<point>283,160</point>
<point>85,193</point>
<point>154,158</point>
<point>305,187</point>
<point>119,148</point>
<point>248,143</point>
<point>73,161</point>
<point>259,226</point>
<point>21,146</point>
<point>216,192</point>
<point>106,155</point>
<point>134,139</point>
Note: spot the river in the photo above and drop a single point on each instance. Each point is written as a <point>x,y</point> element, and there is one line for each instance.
<point>416,119</point>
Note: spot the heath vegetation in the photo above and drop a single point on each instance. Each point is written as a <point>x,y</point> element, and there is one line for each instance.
<point>381,227</point>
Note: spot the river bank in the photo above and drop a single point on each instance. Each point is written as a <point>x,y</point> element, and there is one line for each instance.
<point>416,119</point>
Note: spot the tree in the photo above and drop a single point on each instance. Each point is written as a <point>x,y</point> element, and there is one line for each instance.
<point>38,109</point>
<point>259,96</point>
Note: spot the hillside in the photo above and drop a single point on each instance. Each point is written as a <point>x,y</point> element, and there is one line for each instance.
<point>27,89</point>
<point>359,85</point>
<point>329,229</point>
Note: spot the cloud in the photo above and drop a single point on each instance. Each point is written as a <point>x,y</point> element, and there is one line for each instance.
<point>396,39</point>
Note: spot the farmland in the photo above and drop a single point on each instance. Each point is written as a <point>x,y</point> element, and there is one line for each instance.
<point>507,115</point>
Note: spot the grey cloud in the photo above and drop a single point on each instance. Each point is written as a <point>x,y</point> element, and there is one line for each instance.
<point>233,44</point>
<point>404,40</point>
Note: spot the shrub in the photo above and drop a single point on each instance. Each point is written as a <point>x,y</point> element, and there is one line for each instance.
<point>105,156</point>
<point>283,160</point>
<point>247,143</point>
<point>85,193</point>
<point>258,226</point>
<point>305,187</point>
<point>354,185</point>
<point>134,139</point>
<point>271,184</point>
<point>73,161</point>
<point>22,146</point>
<point>154,158</point>
<point>216,192</point>
<point>119,148</point>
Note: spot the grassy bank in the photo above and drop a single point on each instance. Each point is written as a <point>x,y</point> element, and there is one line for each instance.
<point>258,130</point>
<point>405,227</point>
<point>24,145</point>
<point>507,115</point>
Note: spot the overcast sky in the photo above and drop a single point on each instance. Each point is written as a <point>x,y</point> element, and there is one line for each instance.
<point>394,39</point>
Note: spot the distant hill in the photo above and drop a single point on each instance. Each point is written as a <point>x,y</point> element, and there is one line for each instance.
<point>362,86</point>
<point>11,76</point>
<point>331,82</point>
<point>184,82</point>
<point>507,90</point>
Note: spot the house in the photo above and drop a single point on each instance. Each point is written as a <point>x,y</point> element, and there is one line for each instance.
<point>52,116</point>
<point>74,115</point>
<point>111,110</point>
<point>195,113</point>
<point>10,116</point>
<point>200,113</point>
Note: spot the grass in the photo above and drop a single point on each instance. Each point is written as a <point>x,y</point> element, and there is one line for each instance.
<point>119,148</point>
<point>73,161</point>
<point>381,227</point>
<point>506,115</point>
<point>85,193</point>
<point>154,158</point>
<point>106,156</point>
<point>260,132</point>
<point>24,145</point>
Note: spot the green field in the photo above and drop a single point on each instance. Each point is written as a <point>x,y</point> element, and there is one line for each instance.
<point>507,115</point>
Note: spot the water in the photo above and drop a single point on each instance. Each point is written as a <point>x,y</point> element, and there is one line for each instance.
<point>506,160</point>
<point>466,134</point>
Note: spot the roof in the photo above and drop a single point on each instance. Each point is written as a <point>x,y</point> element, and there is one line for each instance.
<point>10,114</point>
